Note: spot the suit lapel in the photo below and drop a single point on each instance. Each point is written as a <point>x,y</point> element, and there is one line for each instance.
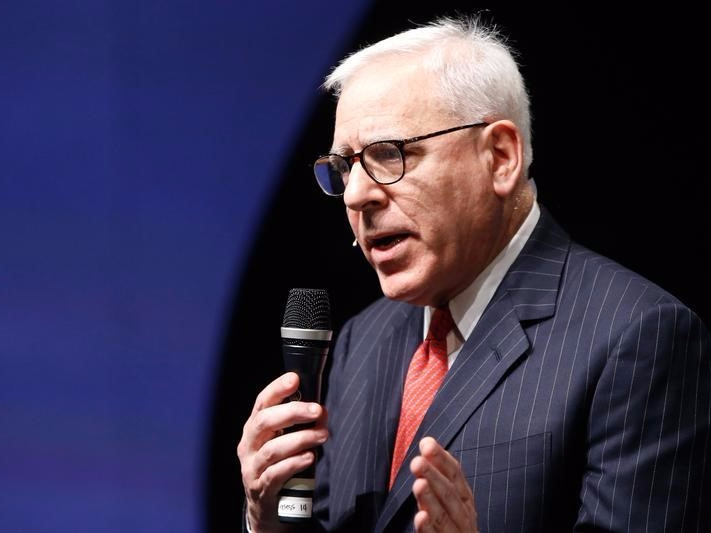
<point>528,292</point>
<point>363,472</point>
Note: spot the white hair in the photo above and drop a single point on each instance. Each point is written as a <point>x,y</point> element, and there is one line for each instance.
<point>475,68</point>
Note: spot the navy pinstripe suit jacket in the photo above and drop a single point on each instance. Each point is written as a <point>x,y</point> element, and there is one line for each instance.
<point>580,402</point>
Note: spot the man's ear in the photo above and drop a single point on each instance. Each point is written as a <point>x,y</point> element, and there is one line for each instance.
<point>505,144</point>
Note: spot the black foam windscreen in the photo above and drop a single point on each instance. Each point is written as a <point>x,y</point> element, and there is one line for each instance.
<point>307,309</point>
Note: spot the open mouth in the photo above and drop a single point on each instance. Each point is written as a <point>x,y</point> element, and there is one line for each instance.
<point>383,243</point>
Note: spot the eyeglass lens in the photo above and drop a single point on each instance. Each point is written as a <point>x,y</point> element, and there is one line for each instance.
<point>381,160</point>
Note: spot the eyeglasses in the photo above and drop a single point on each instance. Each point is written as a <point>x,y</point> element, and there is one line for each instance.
<point>383,161</point>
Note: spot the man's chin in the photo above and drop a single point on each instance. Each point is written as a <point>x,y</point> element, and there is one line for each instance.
<point>401,287</point>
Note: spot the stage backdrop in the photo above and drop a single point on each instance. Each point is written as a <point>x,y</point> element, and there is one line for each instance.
<point>139,144</point>
<point>156,204</point>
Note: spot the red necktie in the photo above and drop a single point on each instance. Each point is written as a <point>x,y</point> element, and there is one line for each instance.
<point>425,375</point>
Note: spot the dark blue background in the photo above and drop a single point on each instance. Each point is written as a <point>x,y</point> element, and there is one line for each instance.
<point>156,205</point>
<point>139,144</point>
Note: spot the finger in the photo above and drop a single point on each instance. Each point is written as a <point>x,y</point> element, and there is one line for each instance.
<point>423,523</point>
<point>255,461</point>
<point>285,446</point>
<point>438,496</point>
<point>268,483</point>
<point>444,462</point>
<point>433,515</point>
<point>270,422</point>
<point>444,494</point>
<point>277,391</point>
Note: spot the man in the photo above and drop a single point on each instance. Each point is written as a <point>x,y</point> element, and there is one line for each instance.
<point>571,394</point>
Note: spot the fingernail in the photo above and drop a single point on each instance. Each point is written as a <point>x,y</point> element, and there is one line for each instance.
<point>314,408</point>
<point>289,380</point>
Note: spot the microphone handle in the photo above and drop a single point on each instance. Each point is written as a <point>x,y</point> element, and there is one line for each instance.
<point>308,362</point>
<point>296,497</point>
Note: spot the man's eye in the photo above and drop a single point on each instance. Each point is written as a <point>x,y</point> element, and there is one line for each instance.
<point>384,152</point>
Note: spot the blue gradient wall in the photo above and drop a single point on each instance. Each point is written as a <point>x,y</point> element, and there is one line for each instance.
<point>139,142</point>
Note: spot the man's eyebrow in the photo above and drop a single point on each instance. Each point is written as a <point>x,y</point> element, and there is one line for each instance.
<point>341,150</point>
<point>347,149</point>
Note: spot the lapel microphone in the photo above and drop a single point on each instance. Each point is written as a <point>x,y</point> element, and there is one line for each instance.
<point>306,338</point>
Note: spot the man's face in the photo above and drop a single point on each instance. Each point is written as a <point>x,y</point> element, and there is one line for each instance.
<point>430,234</point>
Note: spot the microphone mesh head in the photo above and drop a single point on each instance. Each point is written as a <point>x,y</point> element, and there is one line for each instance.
<point>307,309</point>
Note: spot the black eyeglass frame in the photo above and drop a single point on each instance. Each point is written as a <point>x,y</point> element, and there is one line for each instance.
<point>399,143</point>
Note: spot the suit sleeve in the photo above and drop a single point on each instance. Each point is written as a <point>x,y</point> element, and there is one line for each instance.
<point>648,462</point>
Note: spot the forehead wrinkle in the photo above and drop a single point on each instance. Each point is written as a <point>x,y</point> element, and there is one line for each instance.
<point>347,149</point>
<point>381,127</point>
<point>371,107</point>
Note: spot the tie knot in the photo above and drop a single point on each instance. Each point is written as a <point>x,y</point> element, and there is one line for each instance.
<point>441,324</point>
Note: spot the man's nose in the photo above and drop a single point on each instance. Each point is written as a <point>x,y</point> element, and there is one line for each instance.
<point>362,192</point>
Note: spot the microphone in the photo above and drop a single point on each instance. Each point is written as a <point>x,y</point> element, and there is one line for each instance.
<point>306,338</point>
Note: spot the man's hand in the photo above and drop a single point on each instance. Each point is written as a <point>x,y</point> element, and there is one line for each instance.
<point>268,456</point>
<point>444,499</point>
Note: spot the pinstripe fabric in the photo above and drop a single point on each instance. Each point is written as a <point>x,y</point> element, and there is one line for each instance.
<point>580,402</point>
